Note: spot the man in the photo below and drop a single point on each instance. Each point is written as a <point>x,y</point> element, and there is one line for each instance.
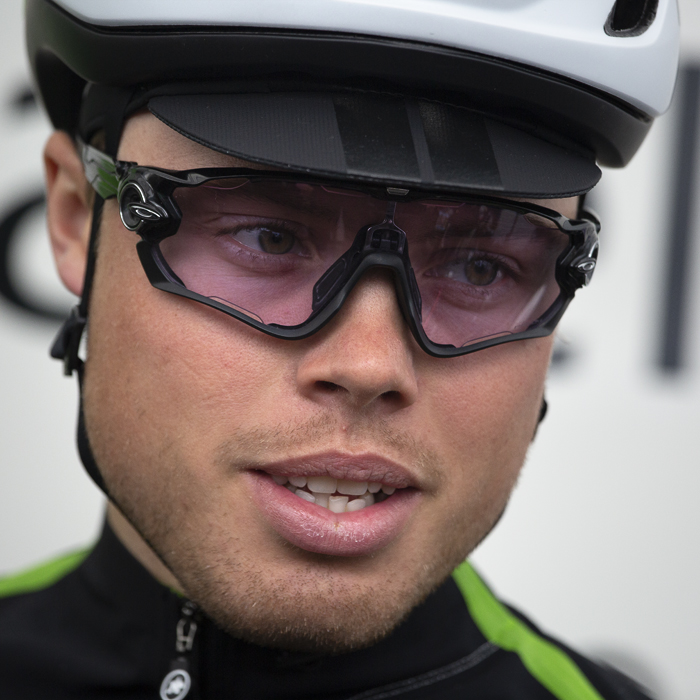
<point>321,261</point>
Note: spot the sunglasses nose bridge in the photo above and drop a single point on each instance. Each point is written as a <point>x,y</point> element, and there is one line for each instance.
<point>387,239</point>
<point>380,245</point>
<point>388,257</point>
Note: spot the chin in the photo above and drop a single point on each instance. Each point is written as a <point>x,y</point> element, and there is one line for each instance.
<point>319,606</point>
<point>322,626</point>
<point>312,636</point>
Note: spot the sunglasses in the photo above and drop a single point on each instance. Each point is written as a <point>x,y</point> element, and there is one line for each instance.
<point>281,252</point>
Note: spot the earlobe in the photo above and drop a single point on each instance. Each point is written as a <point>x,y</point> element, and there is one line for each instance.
<point>68,209</point>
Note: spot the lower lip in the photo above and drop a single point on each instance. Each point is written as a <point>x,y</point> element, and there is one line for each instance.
<point>317,529</point>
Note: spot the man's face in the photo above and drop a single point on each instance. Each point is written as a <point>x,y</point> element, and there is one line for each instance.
<point>191,413</point>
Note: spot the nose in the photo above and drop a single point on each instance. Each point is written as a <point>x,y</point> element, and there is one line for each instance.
<point>365,356</point>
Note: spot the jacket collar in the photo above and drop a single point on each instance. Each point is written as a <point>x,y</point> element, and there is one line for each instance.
<point>435,634</point>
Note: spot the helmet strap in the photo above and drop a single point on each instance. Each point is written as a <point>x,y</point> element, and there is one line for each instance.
<point>84,449</point>
<point>540,417</point>
<point>66,345</point>
<point>105,109</point>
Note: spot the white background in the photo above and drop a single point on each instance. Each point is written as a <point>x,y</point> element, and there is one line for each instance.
<point>600,543</point>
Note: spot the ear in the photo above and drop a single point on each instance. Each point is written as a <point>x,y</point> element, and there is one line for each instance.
<point>69,211</point>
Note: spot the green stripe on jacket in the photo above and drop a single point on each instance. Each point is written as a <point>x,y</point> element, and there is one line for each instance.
<point>41,576</point>
<point>545,661</point>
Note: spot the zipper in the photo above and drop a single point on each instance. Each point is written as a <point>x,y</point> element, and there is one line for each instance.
<point>178,682</point>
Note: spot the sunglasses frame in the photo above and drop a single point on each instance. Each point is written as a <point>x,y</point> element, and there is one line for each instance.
<point>147,207</point>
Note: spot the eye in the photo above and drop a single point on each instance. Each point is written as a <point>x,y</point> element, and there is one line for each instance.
<point>268,240</point>
<point>480,271</point>
<point>276,242</point>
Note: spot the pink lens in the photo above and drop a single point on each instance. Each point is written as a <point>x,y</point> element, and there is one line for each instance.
<point>261,246</point>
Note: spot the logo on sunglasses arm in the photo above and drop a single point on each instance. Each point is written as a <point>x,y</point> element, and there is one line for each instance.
<point>135,208</point>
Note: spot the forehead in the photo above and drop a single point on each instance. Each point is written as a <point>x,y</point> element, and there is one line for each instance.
<point>148,141</point>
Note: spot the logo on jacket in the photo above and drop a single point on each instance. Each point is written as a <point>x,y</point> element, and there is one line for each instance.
<point>175,685</point>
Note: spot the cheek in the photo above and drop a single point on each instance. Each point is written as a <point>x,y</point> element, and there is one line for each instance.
<point>173,376</point>
<point>484,411</point>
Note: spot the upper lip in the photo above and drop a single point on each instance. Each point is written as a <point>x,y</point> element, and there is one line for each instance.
<point>353,467</point>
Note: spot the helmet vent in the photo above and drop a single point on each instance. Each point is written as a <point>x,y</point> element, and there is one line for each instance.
<point>631,17</point>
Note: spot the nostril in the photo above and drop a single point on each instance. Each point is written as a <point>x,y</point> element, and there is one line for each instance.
<point>392,396</point>
<point>329,387</point>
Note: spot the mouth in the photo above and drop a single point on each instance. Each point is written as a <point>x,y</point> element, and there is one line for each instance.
<point>336,504</point>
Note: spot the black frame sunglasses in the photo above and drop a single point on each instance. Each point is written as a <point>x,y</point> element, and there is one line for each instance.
<point>147,207</point>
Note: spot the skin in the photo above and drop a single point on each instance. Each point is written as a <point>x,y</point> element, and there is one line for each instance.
<point>181,401</point>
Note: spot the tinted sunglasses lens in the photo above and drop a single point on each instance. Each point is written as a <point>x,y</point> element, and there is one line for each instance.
<point>483,271</point>
<point>261,246</point>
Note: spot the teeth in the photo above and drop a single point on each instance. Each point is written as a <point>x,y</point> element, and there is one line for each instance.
<point>351,488</point>
<point>322,491</point>
<point>321,499</point>
<point>305,495</point>
<point>321,484</point>
<point>355,504</point>
<point>336,504</point>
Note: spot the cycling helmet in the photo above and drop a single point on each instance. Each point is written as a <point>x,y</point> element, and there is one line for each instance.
<point>521,97</point>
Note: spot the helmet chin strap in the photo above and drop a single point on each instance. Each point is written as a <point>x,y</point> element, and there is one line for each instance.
<point>66,347</point>
<point>84,449</point>
<point>540,417</point>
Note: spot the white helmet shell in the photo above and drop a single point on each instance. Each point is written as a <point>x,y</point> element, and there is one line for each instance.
<point>565,37</point>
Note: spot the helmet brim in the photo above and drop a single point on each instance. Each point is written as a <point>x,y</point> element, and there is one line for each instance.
<point>380,137</point>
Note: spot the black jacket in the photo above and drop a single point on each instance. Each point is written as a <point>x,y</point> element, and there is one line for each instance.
<point>107,629</point>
